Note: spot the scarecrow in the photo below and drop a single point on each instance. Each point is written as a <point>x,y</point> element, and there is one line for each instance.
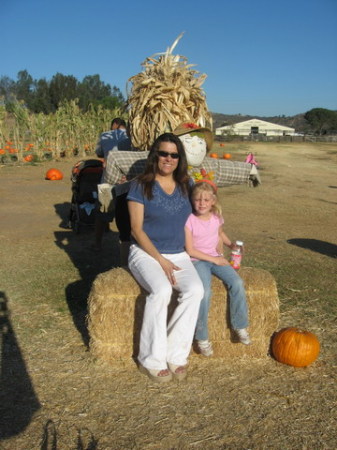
<point>197,142</point>
<point>167,97</point>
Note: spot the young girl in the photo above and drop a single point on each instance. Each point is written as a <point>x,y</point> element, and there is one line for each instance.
<point>204,238</point>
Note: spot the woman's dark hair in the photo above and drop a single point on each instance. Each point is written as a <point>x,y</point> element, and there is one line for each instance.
<point>180,175</point>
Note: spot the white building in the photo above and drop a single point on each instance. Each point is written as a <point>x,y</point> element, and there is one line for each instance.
<point>255,126</point>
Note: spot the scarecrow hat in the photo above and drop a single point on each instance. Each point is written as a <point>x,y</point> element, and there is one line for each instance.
<point>190,127</point>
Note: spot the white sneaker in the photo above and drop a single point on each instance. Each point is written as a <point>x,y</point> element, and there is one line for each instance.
<point>205,348</point>
<point>243,336</point>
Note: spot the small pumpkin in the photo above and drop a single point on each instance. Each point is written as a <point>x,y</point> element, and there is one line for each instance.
<point>28,158</point>
<point>54,174</point>
<point>227,156</point>
<point>295,347</point>
<point>213,155</point>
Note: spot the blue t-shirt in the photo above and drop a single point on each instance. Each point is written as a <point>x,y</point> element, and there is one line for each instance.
<point>164,216</point>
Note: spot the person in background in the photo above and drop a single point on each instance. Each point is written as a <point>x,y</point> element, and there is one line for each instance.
<point>204,230</point>
<point>159,206</point>
<point>109,140</point>
<point>114,140</point>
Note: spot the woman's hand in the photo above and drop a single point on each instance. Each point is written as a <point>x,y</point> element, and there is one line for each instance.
<point>169,268</point>
<point>220,261</point>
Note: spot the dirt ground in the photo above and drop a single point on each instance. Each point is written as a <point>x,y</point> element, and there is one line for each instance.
<point>54,395</point>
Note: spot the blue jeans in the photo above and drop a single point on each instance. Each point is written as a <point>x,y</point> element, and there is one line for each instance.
<point>238,311</point>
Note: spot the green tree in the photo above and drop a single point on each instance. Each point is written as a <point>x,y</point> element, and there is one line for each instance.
<point>92,89</point>
<point>41,101</point>
<point>47,96</point>
<point>7,89</point>
<point>116,93</point>
<point>95,92</point>
<point>24,87</point>
<point>321,120</point>
<point>111,102</point>
<point>62,87</point>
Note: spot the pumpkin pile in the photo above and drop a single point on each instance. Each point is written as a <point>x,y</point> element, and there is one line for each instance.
<point>295,347</point>
<point>54,174</point>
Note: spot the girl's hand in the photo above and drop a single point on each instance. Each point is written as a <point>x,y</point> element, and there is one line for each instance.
<point>221,261</point>
<point>168,267</point>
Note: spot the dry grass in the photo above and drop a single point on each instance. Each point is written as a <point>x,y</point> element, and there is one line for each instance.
<point>55,396</point>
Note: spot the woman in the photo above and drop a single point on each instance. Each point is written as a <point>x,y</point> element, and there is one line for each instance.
<point>159,205</point>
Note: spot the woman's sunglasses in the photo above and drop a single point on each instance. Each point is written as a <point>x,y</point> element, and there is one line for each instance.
<point>166,154</point>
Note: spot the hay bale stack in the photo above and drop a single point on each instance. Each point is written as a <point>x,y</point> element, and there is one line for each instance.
<point>116,305</point>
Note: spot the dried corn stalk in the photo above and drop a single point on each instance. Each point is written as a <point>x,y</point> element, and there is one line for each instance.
<point>167,93</point>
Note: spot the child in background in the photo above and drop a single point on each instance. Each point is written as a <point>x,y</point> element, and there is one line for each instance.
<point>204,236</point>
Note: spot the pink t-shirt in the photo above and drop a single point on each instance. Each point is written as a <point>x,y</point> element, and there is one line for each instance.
<point>205,233</point>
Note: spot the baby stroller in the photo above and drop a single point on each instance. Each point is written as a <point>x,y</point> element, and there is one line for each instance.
<point>85,177</point>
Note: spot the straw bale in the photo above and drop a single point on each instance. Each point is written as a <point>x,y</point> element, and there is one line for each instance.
<point>116,305</point>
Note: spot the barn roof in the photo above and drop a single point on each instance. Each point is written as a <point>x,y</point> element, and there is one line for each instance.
<point>256,122</point>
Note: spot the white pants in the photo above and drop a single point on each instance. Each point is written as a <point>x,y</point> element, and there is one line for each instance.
<point>161,343</point>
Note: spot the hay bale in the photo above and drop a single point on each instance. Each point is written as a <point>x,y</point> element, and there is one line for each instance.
<point>116,305</point>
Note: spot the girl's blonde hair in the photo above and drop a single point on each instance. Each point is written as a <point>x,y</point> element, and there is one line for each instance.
<point>203,186</point>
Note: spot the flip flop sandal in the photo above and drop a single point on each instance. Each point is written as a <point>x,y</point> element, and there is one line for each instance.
<point>153,374</point>
<point>178,375</point>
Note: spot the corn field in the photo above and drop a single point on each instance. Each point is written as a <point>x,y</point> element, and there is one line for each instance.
<point>28,137</point>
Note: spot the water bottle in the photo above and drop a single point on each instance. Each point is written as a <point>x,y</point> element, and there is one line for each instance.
<point>236,255</point>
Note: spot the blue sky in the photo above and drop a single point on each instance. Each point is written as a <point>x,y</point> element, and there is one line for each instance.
<point>261,57</point>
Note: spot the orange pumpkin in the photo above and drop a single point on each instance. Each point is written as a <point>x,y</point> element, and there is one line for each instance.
<point>295,347</point>
<point>213,155</point>
<point>29,158</point>
<point>227,156</point>
<point>54,174</point>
